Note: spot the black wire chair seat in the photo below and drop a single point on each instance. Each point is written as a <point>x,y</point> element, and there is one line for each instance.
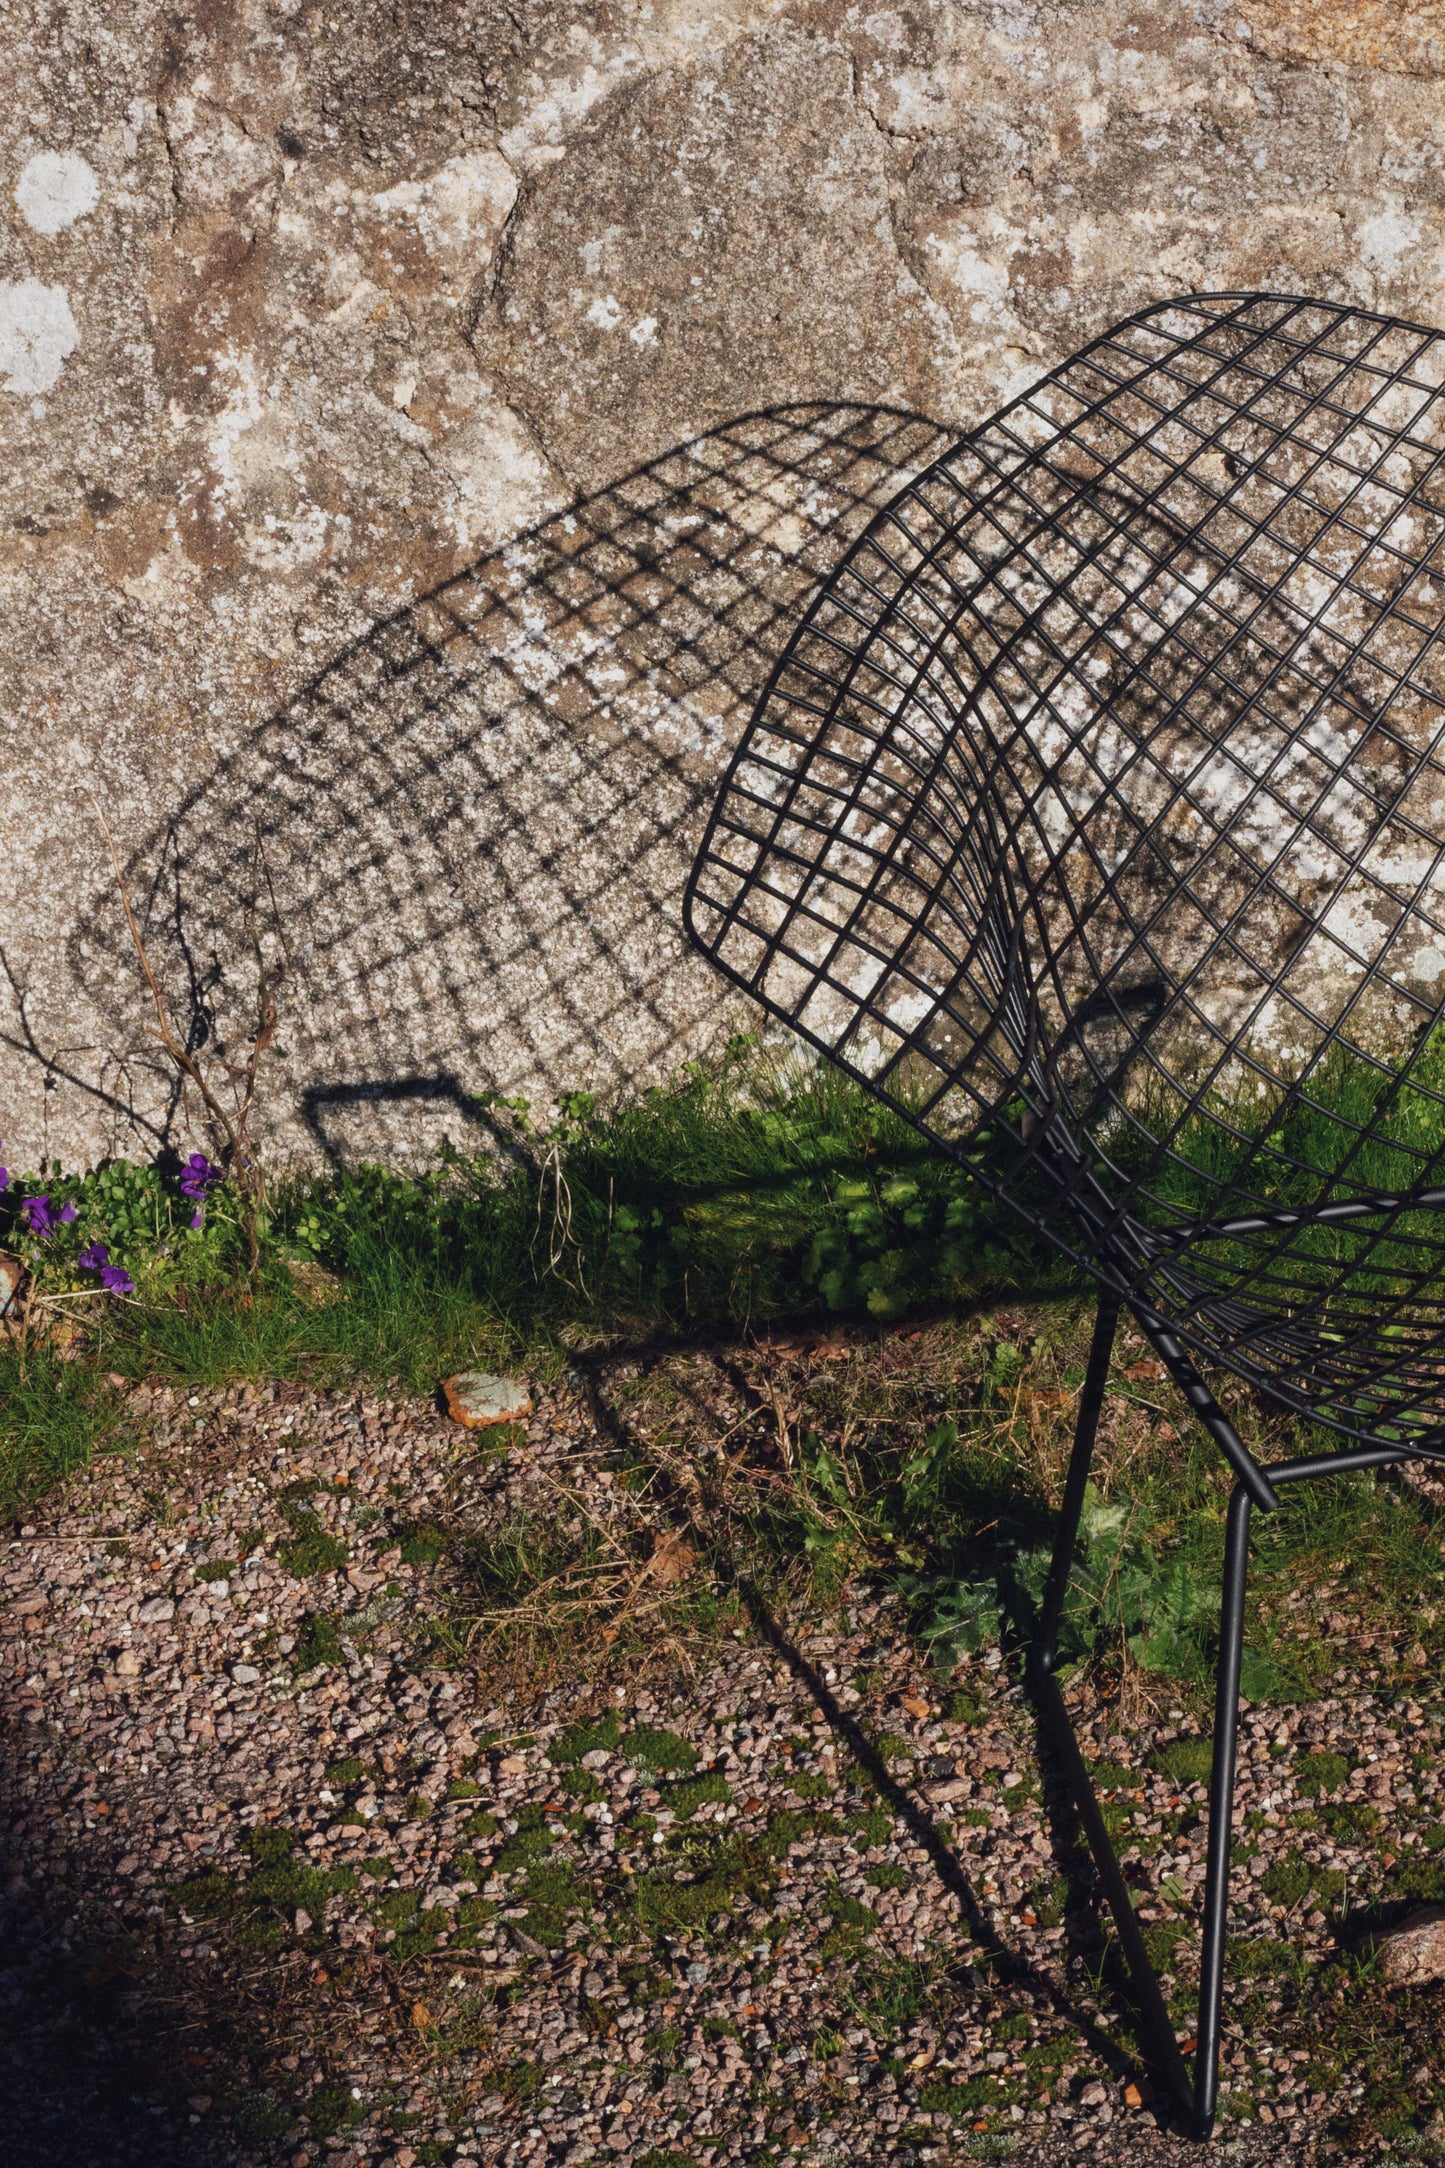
<point>1094,817</point>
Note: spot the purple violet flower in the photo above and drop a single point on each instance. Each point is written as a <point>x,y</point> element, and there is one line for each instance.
<point>199,1177</point>
<point>42,1217</point>
<point>114,1278</point>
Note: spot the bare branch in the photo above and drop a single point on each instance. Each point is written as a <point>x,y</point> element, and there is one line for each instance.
<point>229,1129</point>
<point>180,1055</point>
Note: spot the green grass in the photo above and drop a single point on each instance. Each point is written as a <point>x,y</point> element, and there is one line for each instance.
<point>889,1994</point>
<point>1279,1139</point>
<point>1290,1881</point>
<point>1316,1773</point>
<point>649,1747</point>
<point>690,1793</point>
<point>958,1514</point>
<point>751,1191</point>
<point>1346,1126</point>
<point>54,1416</point>
<point>590,1736</point>
<point>257,1910</point>
<point>312,1548</point>
<point>1187,1761</point>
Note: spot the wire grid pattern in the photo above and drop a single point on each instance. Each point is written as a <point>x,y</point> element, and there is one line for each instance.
<point>479,816</point>
<point>1095,818</point>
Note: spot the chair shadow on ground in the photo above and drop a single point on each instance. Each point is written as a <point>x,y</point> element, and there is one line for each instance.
<point>477,819</point>
<point>991,1966</point>
<point>1006,1966</point>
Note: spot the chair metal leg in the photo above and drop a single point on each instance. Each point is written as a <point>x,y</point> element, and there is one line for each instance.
<point>1198,2101</point>
<point>1086,1428</point>
<point>1152,2007</point>
<point>1221,1813</point>
<point>1191,1386</point>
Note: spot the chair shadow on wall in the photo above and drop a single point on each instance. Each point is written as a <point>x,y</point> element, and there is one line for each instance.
<point>477,819</point>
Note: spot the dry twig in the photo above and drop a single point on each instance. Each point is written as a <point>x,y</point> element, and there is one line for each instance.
<point>228,1128</point>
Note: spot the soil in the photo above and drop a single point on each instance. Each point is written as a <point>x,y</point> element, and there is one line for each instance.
<point>340,1825</point>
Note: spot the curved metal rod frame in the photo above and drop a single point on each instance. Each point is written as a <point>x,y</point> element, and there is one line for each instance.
<point>1195,2095</point>
<point>1091,818</point>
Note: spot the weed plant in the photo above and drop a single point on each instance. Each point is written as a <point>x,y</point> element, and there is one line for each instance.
<point>957,1512</point>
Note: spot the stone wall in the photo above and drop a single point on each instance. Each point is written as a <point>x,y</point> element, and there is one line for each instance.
<point>421,419</point>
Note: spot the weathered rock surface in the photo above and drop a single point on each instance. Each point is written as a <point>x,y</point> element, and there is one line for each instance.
<point>478,1399</point>
<point>307,317</point>
<point>1414,1952</point>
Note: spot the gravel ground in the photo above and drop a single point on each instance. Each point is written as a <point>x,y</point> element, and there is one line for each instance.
<point>293,1874</point>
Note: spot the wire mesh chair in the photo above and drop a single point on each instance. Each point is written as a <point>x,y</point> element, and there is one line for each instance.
<point>1094,818</point>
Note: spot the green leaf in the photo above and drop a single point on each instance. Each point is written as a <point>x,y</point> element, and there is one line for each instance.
<point>1168,1653</point>
<point>899,1190</point>
<point>1102,1522</point>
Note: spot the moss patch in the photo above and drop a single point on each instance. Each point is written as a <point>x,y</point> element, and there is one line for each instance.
<point>648,1747</point>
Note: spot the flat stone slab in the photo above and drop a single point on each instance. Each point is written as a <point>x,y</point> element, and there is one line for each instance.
<point>479,1399</point>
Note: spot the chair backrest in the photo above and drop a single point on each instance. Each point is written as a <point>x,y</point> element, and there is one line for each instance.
<point>1100,795</point>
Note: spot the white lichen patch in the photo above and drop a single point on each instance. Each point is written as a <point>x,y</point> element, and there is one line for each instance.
<point>37,333</point>
<point>54,189</point>
<point>1387,239</point>
<point>244,410</point>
